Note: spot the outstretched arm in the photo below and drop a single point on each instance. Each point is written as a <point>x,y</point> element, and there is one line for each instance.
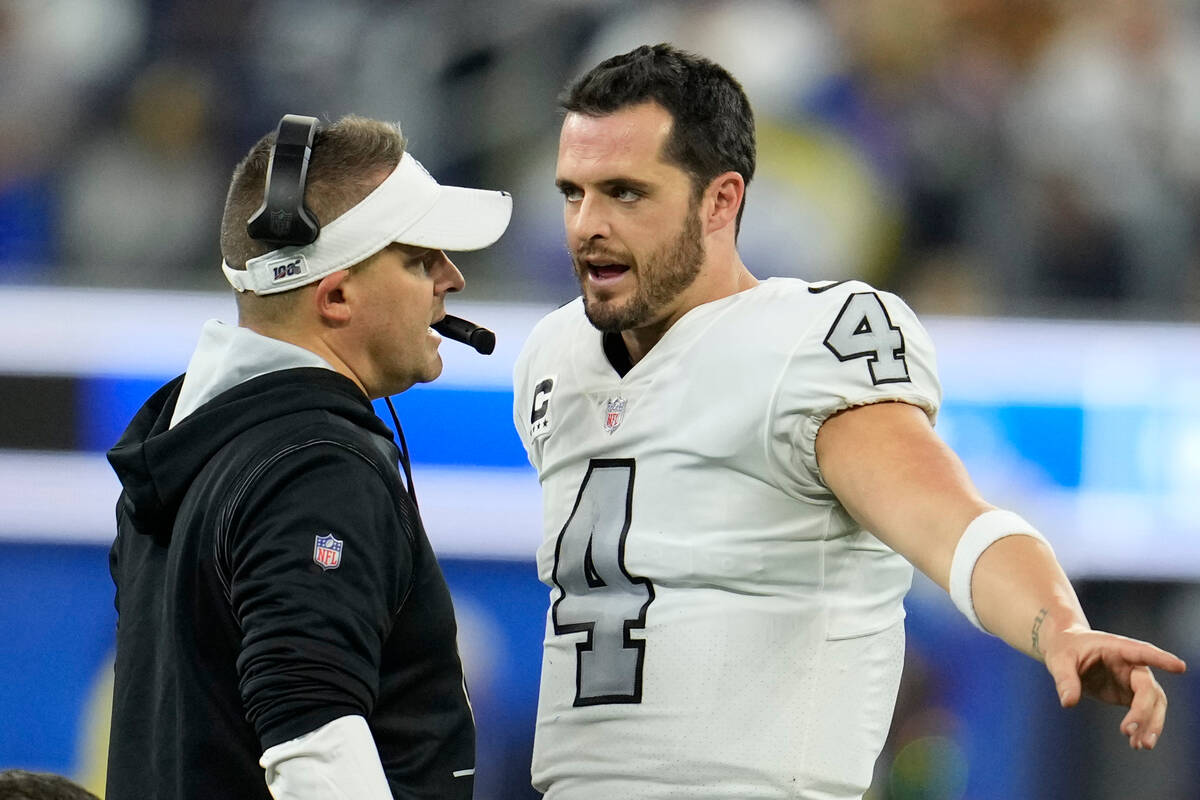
<point>901,482</point>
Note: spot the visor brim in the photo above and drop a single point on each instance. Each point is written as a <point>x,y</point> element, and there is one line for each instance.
<point>461,219</point>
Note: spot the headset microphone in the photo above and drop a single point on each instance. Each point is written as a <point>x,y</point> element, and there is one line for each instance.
<point>461,330</point>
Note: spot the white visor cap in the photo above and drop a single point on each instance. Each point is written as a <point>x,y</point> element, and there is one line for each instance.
<point>409,207</point>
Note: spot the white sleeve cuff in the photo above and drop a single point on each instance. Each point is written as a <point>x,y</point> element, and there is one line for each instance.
<point>984,531</point>
<point>337,761</point>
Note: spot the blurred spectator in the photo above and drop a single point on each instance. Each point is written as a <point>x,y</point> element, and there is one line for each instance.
<point>1107,131</point>
<point>1014,156</point>
<point>55,55</point>
<point>145,198</point>
<point>936,77</point>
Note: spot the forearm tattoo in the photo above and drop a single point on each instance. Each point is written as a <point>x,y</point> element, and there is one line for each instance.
<point>1037,629</point>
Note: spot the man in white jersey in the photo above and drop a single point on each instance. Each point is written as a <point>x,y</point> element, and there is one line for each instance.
<point>737,475</point>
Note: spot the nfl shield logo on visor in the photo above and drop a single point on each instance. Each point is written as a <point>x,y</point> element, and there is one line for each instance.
<point>327,552</point>
<point>613,414</point>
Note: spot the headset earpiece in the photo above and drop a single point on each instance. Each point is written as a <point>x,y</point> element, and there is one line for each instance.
<point>283,219</point>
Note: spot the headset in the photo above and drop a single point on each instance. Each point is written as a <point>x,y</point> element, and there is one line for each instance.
<point>283,219</point>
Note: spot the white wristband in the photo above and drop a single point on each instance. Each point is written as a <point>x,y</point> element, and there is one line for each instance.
<point>337,761</point>
<point>981,534</point>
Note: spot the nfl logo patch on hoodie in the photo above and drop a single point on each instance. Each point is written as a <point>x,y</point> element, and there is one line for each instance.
<point>327,552</point>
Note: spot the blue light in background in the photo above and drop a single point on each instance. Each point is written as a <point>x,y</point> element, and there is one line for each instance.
<point>1048,436</point>
<point>58,625</point>
<point>451,426</point>
<point>468,427</point>
<point>105,405</point>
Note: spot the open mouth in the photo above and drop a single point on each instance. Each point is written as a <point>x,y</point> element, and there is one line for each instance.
<point>605,272</point>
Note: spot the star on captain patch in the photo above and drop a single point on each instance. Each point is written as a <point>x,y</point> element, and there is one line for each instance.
<point>614,413</point>
<point>327,552</point>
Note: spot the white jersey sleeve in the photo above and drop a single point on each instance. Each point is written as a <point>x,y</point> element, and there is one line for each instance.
<point>865,346</point>
<point>548,343</point>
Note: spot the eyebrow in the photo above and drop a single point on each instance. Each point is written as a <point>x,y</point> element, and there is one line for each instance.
<point>611,183</point>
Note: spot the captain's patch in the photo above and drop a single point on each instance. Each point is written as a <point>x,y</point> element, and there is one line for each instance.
<point>539,415</point>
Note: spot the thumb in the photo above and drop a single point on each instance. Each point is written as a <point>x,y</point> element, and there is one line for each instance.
<point>1066,680</point>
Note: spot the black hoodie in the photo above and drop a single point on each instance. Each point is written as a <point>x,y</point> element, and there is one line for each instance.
<point>242,625</point>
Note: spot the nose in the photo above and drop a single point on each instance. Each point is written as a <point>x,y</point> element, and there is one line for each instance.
<point>447,278</point>
<point>587,221</point>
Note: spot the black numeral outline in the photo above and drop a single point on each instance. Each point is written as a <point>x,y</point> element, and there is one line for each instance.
<point>593,580</point>
<point>873,354</point>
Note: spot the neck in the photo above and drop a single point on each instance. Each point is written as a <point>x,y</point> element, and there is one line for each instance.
<point>711,284</point>
<point>314,343</point>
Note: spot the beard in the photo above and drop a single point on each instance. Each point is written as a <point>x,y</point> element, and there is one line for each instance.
<point>661,276</point>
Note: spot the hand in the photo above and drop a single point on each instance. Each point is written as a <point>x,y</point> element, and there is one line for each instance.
<point>1114,669</point>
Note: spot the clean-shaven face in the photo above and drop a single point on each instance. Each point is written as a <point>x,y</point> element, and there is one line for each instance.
<point>401,293</point>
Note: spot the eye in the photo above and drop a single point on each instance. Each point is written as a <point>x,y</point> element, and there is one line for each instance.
<point>572,194</point>
<point>626,195</point>
<point>422,263</point>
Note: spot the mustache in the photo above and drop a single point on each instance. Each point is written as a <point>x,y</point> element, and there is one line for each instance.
<point>599,253</point>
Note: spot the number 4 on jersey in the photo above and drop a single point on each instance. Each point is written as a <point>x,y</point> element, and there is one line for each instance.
<point>863,329</point>
<point>597,594</point>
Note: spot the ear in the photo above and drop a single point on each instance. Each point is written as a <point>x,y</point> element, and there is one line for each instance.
<point>722,200</point>
<point>332,300</point>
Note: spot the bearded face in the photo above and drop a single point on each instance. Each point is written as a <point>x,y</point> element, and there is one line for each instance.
<point>659,276</point>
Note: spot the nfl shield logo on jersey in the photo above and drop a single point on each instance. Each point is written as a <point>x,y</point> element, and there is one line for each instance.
<point>614,413</point>
<point>327,552</point>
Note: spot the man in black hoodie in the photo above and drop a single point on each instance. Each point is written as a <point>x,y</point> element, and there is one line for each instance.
<point>283,625</point>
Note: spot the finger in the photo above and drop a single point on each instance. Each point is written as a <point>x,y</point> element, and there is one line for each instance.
<point>1150,733</point>
<point>1147,711</point>
<point>1066,679</point>
<point>1137,652</point>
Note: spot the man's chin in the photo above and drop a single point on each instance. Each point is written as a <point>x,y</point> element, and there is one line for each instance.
<point>433,371</point>
<point>609,316</point>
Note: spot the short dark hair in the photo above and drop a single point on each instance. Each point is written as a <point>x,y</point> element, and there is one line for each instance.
<point>713,130</point>
<point>17,784</point>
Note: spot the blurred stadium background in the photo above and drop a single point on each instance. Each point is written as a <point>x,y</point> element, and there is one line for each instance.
<point>1026,173</point>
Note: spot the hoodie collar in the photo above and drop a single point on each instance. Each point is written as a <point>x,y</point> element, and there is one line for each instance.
<point>228,355</point>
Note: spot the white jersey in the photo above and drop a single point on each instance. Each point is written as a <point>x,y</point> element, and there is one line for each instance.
<point>719,627</point>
